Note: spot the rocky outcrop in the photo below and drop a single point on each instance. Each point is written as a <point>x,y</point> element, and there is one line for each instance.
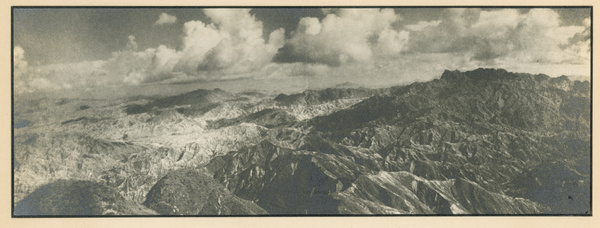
<point>192,192</point>
<point>406,193</point>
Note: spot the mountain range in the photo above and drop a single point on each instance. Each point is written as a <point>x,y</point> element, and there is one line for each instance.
<point>486,141</point>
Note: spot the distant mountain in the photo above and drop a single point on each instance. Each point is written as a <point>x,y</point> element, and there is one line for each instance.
<point>579,78</point>
<point>198,101</point>
<point>347,85</point>
<point>313,97</point>
<point>486,141</point>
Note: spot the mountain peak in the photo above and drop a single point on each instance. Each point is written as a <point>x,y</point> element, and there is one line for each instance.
<point>452,75</point>
<point>480,73</point>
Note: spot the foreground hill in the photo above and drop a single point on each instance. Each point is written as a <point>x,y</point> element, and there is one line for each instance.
<point>480,142</point>
<point>77,198</point>
<point>192,192</point>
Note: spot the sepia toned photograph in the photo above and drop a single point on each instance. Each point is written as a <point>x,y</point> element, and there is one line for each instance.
<point>301,111</point>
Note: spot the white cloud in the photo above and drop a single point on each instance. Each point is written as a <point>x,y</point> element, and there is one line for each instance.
<point>165,18</point>
<point>128,67</point>
<point>309,25</point>
<point>344,35</point>
<point>19,58</point>
<point>29,79</point>
<point>421,25</point>
<point>541,38</point>
<point>503,36</point>
<point>20,70</point>
<point>163,63</point>
<point>360,45</point>
<point>355,49</point>
<point>232,46</point>
<point>391,42</point>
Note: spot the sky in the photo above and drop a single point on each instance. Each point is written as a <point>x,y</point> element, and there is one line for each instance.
<point>79,49</point>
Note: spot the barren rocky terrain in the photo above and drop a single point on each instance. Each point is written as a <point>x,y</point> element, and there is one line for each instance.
<point>479,142</point>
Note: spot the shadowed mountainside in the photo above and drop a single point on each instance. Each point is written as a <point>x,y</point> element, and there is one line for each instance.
<point>81,198</point>
<point>488,127</point>
<point>479,142</point>
<point>192,192</point>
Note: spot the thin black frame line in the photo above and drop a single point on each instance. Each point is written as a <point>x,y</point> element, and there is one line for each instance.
<point>301,215</point>
<point>337,6</point>
<point>295,215</point>
<point>12,113</point>
<point>591,109</point>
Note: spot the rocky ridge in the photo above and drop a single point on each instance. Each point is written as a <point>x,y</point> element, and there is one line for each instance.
<point>480,142</point>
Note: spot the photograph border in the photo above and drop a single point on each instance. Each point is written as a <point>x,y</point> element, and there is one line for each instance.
<point>592,182</point>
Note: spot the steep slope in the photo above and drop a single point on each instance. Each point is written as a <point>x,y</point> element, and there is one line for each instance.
<point>192,192</point>
<point>482,134</point>
<point>83,198</point>
<point>564,189</point>
<point>332,180</point>
<point>403,192</point>
<point>488,126</point>
<point>479,142</point>
<point>285,181</point>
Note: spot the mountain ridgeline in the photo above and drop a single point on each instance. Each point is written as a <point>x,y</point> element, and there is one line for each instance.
<point>486,141</point>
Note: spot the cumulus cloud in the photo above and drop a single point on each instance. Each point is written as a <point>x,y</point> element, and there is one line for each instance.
<point>504,35</point>
<point>28,79</point>
<point>19,70</point>
<point>361,45</point>
<point>579,44</point>
<point>52,77</point>
<point>421,25</point>
<point>344,35</point>
<point>19,58</point>
<point>231,45</point>
<point>165,18</point>
<point>534,41</point>
<point>441,37</point>
<point>390,42</point>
